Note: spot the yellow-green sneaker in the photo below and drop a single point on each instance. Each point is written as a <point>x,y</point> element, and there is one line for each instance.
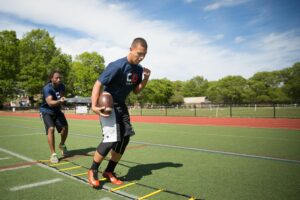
<point>53,158</point>
<point>63,150</point>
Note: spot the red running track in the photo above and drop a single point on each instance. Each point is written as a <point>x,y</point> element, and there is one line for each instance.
<point>204,121</point>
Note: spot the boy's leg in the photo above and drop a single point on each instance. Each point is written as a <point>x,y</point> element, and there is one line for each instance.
<point>62,128</point>
<point>51,139</point>
<point>100,153</point>
<point>116,155</point>
<point>49,126</point>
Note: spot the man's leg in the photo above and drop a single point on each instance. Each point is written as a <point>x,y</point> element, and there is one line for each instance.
<point>51,139</point>
<point>116,155</point>
<point>48,120</point>
<point>115,158</point>
<point>64,135</point>
<point>51,143</point>
<point>101,152</point>
<point>109,171</point>
<point>62,128</point>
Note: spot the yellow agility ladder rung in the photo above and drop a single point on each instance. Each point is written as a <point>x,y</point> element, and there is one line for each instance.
<point>43,161</point>
<point>121,187</point>
<point>69,168</point>
<point>58,164</point>
<point>151,194</point>
<point>81,174</point>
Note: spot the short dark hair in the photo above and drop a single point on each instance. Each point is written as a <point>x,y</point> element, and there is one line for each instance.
<point>140,41</point>
<point>52,74</point>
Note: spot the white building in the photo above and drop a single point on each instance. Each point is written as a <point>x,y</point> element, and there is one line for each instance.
<point>195,100</point>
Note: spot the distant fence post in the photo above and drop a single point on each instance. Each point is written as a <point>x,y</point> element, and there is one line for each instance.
<point>274,111</point>
<point>230,108</point>
<point>166,111</point>
<point>195,111</point>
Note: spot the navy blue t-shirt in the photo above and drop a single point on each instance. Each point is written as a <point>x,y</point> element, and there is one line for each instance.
<point>56,94</point>
<point>120,78</point>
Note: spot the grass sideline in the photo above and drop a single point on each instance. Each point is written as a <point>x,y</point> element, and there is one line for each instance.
<point>154,160</point>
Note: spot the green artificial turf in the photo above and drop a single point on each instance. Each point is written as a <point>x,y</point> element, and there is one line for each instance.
<point>206,162</point>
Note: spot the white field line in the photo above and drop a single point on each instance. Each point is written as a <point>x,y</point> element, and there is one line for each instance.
<point>238,136</point>
<point>106,188</point>
<point>14,168</point>
<point>38,184</point>
<point>210,134</point>
<point>204,150</point>
<point>19,135</point>
<point>5,158</point>
<point>221,152</point>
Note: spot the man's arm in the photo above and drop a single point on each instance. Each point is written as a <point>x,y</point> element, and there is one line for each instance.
<point>96,92</point>
<point>49,98</point>
<point>141,86</point>
<point>54,103</point>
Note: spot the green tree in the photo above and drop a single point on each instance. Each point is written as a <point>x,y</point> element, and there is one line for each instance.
<point>266,87</point>
<point>279,96</point>
<point>270,79</point>
<point>291,86</point>
<point>177,97</point>
<point>213,92</point>
<point>9,63</point>
<point>231,89</point>
<point>85,71</point>
<point>158,91</point>
<point>195,87</point>
<point>132,99</point>
<point>259,92</point>
<point>63,62</point>
<point>37,49</point>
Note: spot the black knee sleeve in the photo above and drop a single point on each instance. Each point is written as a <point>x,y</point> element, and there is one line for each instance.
<point>104,148</point>
<point>120,146</point>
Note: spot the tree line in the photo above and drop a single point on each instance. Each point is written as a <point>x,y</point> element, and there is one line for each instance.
<point>25,65</point>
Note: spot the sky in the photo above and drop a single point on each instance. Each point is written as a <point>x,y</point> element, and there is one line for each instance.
<point>186,38</point>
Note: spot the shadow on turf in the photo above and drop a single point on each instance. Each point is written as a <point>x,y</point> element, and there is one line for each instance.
<point>82,152</point>
<point>139,171</point>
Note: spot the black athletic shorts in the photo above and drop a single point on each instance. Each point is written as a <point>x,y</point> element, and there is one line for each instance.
<point>123,120</point>
<point>57,120</point>
<point>117,125</point>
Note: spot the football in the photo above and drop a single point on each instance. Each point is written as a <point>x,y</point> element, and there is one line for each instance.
<point>106,100</point>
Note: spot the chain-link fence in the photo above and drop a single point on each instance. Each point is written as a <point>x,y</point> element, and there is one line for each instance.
<point>222,110</point>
